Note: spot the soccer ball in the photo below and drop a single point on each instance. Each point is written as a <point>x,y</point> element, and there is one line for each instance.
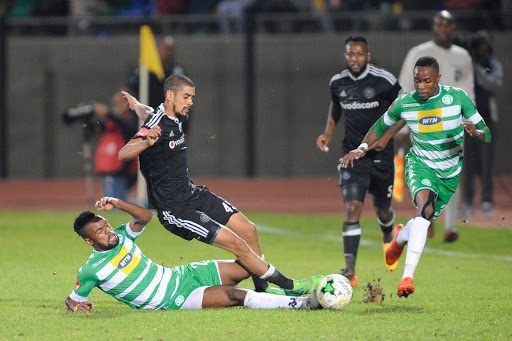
<point>334,292</point>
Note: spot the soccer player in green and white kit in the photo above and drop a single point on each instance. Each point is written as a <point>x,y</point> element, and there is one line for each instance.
<point>437,116</point>
<point>118,267</point>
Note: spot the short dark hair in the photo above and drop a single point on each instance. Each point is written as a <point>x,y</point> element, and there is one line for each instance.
<point>176,82</point>
<point>427,61</point>
<point>81,221</point>
<point>357,38</point>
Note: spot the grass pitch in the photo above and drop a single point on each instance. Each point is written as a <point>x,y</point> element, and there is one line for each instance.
<point>463,290</point>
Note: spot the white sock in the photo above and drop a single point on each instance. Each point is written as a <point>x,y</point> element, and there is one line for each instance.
<point>403,236</point>
<point>416,243</point>
<point>270,271</point>
<point>263,300</point>
<point>451,211</point>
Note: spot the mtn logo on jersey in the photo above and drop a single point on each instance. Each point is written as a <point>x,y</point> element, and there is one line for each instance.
<point>430,120</point>
<point>356,105</point>
<point>174,143</point>
<point>125,261</point>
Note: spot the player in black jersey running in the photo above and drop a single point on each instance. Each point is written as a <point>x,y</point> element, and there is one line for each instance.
<point>362,92</point>
<point>190,211</point>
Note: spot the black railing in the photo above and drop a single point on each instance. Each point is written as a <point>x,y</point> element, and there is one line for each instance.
<point>303,22</point>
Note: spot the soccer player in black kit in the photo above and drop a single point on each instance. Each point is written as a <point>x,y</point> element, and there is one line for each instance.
<point>190,211</point>
<point>362,92</point>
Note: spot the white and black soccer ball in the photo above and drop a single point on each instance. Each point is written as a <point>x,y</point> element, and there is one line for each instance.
<point>334,292</point>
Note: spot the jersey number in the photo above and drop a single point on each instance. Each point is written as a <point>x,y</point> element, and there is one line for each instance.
<point>194,265</point>
<point>390,191</point>
<point>226,207</point>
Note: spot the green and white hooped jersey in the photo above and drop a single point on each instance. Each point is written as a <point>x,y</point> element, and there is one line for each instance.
<point>128,275</point>
<point>436,126</point>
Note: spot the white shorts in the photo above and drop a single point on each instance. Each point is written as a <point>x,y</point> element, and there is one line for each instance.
<point>194,300</point>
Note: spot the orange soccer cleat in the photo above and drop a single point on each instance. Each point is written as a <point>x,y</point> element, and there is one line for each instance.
<point>405,287</point>
<point>394,251</point>
<point>350,276</point>
<point>385,247</point>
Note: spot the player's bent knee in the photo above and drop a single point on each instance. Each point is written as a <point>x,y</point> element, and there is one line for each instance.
<point>238,245</point>
<point>251,229</point>
<point>353,211</point>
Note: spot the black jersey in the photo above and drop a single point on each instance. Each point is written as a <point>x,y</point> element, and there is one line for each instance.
<point>164,165</point>
<point>363,100</point>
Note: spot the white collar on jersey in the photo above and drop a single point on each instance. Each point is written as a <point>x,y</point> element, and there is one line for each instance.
<point>361,76</point>
<point>438,94</point>
<point>161,107</point>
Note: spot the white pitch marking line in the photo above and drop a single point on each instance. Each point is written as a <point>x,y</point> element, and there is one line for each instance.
<point>367,243</point>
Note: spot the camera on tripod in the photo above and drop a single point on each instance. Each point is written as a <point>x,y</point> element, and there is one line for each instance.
<point>83,113</point>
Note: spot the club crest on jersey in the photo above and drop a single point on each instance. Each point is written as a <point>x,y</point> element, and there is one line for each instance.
<point>447,99</point>
<point>426,182</point>
<point>369,93</point>
<point>179,300</point>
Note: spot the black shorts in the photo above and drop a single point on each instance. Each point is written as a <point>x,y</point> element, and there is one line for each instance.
<point>200,218</point>
<point>374,175</point>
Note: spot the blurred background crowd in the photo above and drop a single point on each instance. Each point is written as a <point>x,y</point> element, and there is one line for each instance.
<point>332,15</point>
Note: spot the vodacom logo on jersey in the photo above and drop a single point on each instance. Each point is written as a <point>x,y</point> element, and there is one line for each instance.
<point>357,105</point>
<point>174,143</point>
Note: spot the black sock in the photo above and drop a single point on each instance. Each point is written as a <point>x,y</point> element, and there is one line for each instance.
<point>280,280</point>
<point>260,285</point>
<point>387,233</point>
<point>351,238</point>
<point>387,228</point>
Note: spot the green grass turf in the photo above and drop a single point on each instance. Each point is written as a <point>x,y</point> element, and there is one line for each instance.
<point>463,290</point>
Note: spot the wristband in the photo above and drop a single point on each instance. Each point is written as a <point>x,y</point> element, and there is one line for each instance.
<point>363,145</point>
<point>76,307</point>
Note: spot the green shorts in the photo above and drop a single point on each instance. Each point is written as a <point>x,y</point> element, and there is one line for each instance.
<point>192,276</point>
<point>419,176</point>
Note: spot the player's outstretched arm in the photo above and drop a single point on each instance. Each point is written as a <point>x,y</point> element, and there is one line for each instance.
<point>136,146</point>
<point>384,140</point>
<point>370,138</point>
<point>140,109</point>
<point>75,306</point>
<point>141,216</point>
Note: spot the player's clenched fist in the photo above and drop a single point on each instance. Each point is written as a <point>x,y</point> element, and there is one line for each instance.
<point>106,203</point>
<point>153,135</point>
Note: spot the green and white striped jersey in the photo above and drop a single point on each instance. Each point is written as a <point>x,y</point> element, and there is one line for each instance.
<point>128,275</point>
<point>436,126</point>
